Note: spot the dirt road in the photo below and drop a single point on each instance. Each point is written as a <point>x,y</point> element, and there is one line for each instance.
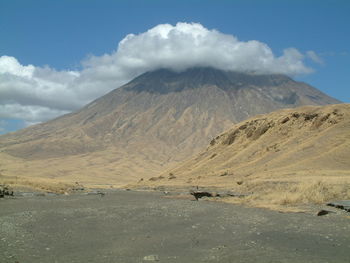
<point>130,226</point>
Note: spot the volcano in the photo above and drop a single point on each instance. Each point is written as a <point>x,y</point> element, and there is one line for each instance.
<point>150,124</point>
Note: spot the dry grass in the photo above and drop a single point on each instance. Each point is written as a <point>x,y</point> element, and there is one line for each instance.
<point>293,195</point>
<point>297,193</point>
<point>90,170</point>
<point>37,184</point>
<point>288,192</point>
<point>318,192</point>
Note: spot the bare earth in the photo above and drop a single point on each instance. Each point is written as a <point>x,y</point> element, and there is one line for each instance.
<point>133,226</point>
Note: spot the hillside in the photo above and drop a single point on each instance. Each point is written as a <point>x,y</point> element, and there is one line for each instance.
<point>150,124</point>
<point>291,155</point>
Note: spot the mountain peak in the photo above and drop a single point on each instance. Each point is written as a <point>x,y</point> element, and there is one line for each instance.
<point>166,80</point>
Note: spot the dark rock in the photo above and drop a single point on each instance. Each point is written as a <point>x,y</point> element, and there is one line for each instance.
<point>231,137</point>
<point>242,127</point>
<point>5,191</point>
<point>296,115</point>
<point>78,188</point>
<point>152,179</point>
<point>323,212</point>
<point>310,116</point>
<point>224,174</point>
<point>171,176</point>
<point>200,194</point>
<point>211,157</point>
<point>285,120</point>
<point>344,205</point>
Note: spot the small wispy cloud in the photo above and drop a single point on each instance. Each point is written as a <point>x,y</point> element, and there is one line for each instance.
<point>333,54</point>
<point>314,57</point>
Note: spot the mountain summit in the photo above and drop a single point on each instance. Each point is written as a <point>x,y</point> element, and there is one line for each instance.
<point>151,123</point>
<point>164,80</point>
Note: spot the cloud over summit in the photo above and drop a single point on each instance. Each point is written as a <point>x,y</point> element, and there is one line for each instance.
<point>190,45</point>
<point>36,94</point>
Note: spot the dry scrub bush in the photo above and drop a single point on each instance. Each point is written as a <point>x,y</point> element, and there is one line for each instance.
<point>316,192</point>
<point>292,193</point>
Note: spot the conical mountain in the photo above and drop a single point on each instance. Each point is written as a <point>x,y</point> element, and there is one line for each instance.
<point>151,123</point>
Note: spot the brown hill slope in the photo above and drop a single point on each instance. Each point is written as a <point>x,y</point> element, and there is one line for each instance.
<point>291,155</point>
<point>149,124</point>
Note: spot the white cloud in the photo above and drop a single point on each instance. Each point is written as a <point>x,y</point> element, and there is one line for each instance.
<point>29,113</point>
<point>314,57</point>
<point>10,66</point>
<point>35,94</point>
<point>190,45</point>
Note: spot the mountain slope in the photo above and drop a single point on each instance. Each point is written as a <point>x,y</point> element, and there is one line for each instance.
<point>153,122</point>
<point>290,140</point>
<point>302,152</point>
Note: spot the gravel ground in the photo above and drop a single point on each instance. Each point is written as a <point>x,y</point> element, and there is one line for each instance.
<point>135,226</point>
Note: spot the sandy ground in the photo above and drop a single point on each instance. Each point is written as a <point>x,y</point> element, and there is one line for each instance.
<point>136,226</point>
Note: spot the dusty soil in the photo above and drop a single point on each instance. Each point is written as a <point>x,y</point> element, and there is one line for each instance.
<point>136,226</point>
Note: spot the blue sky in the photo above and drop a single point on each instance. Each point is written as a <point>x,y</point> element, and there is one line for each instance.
<point>61,34</point>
